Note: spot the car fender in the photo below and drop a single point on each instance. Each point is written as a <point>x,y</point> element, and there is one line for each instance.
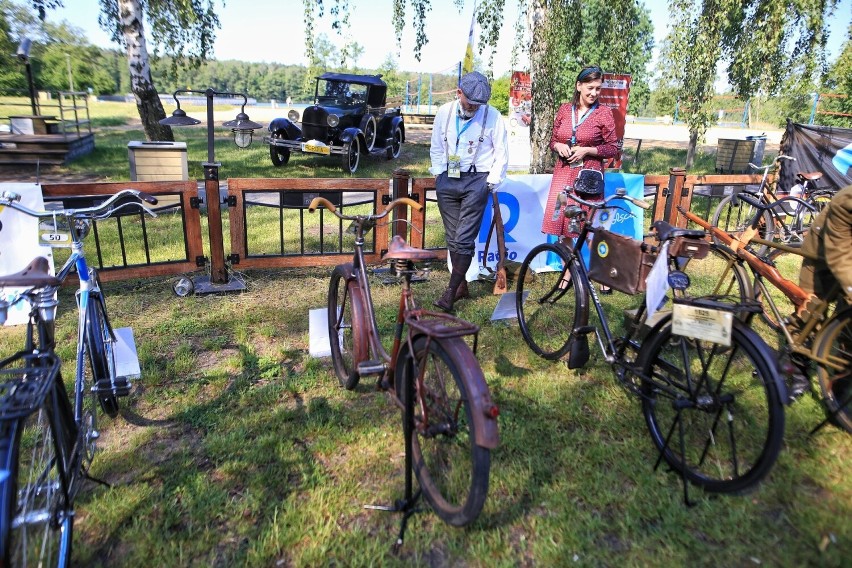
<point>387,124</point>
<point>350,134</point>
<point>285,126</point>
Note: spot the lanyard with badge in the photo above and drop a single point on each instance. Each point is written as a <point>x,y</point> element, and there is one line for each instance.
<point>576,124</point>
<point>454,160</point>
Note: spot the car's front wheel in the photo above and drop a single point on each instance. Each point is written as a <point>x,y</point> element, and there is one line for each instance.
<point>351,155</point>
<point>279,155</point>
<point>396,144</point>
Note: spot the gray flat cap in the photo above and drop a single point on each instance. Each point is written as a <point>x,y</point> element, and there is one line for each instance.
<point>475,87</point>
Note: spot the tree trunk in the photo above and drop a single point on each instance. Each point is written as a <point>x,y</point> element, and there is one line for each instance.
<point>141,84</point>
<point>543,90</point>
<point>690,151</point>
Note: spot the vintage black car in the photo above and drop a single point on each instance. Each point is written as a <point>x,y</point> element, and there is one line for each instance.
<point>348,118</point>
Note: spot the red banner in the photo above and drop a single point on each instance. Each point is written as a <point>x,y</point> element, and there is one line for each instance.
<point>520,112</point>
<point>615,93</point>
<point>520,99</point>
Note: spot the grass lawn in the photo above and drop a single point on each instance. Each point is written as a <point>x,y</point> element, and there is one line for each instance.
<point>237,448</point>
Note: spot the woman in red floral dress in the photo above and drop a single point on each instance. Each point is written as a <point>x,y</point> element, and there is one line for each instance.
<point>583,137</point>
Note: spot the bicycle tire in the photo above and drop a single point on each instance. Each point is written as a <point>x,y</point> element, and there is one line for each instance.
<point>805,217</point>
<point>101,354</point>
<point>788,269</point>
<point>451,469</point>
<point>719,275</point>
<point>689,386</point>
<point>346,314</point>
<point>546,304</point>
<point>735,219</point>
<point>835,344</point>
<point>38,522</point>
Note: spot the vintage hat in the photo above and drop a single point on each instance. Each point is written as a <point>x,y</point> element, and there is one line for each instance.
<point>475,87</point>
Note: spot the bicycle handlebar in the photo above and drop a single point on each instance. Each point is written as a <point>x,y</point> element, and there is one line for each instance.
<point>317,201</point>
<point>777,159</point>
<point>105,209</point>
<point>620,193</point>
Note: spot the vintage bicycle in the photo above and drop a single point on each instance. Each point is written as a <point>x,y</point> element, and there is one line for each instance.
<point>824,334</point>
<point>707,384</point>
<point>787,223</point>
<point>430,372</point>
<point>47,442</point>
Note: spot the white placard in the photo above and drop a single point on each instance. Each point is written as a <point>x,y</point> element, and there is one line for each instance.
<point>702,323</point>
<point>19,242</point>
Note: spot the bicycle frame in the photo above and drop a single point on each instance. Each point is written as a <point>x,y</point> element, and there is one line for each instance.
<point>817,311</point>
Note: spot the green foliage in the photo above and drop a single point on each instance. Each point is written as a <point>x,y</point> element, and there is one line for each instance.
<point>619,38</point>
<point>500,93</point>
<point>184,30</point>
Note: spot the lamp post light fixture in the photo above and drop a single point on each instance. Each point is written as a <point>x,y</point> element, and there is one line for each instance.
<point>242,128</point>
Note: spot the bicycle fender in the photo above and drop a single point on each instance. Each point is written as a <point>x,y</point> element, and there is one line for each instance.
<point>360,341</point>
<point>481,405</point>
<point>764,349</point>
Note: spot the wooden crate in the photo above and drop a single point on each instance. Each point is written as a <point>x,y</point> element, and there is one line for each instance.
<point>157,161</point>
<point>733,156</point>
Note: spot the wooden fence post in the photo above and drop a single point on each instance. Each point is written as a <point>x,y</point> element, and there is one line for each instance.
<point>401,178</point>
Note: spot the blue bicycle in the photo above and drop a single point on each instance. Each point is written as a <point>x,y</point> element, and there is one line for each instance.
<point>47,441</point>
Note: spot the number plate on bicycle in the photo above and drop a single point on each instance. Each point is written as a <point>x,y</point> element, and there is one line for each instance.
<point>702,323</point>
<point>50,235</point>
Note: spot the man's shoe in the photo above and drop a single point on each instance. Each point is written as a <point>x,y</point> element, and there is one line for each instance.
<point>461,292</point>
<point>445,302</point>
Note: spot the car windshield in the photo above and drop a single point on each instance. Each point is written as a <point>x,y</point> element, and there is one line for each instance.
<point>340,93</point>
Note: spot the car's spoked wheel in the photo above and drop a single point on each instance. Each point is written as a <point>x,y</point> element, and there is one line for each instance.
<point>396,144</point>
<point>351,156</point>
<point>370,133</point>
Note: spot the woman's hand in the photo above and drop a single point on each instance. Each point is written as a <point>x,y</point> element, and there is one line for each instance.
<point>578,154</point>
<point>563,150</point>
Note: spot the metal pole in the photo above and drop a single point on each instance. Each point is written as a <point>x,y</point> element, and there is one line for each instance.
<point>814,107</point>
<point>31,88</point>
<point>218,272</point>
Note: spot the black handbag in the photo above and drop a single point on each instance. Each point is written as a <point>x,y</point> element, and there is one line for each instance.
<point>589,183</point>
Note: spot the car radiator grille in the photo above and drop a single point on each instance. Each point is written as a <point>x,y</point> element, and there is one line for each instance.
<point>311,132</point>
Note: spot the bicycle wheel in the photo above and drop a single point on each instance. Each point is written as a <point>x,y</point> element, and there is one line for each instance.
<point>451,469</point>
<point>713,412</point>
<point>718,275</point>
<point>835,380</point>
<point>101,355</point>
<point>735,219</point>
<point>346,332</point>
<point>546,300</point>
<point>805,217</point>
<point>37,521</point>
<point>788,265</point>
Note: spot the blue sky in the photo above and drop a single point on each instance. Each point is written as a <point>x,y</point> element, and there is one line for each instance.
<point>270,30</point>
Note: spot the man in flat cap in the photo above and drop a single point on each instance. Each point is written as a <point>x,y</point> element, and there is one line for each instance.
<point>469,157</point>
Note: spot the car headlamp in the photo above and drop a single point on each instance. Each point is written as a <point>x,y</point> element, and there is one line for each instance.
<point>293,115</point>
<point>333,120</point>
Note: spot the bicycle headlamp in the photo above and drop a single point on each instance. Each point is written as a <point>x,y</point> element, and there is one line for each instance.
<point>572,211</point>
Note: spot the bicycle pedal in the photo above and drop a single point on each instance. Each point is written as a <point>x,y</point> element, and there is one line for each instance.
<point>366,368</point>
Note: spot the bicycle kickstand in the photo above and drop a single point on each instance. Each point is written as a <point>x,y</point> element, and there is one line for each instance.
<point>408,504</point>
<point>686,500</point>
<point>831,415</point>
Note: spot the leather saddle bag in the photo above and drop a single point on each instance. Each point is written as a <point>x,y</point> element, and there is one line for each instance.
<point>619,262</point>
